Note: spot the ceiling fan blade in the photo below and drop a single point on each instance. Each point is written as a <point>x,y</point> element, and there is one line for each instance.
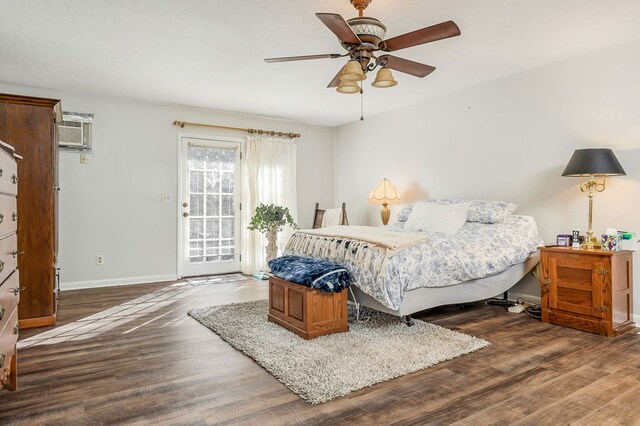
<point>339,27</point>
<point>425,35</point>
<point>336,80</point>
<point>303,58</point>
<point>406,66</point>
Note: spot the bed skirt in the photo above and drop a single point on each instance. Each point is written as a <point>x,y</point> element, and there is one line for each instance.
<point>469,291</point>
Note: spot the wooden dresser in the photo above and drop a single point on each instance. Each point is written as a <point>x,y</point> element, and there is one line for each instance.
<point>591,290</point>
<point>9,278</point>
<point>29,125</point>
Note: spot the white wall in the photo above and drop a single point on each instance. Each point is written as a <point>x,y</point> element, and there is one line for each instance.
<point>111,206</point>
<point>509,140</point>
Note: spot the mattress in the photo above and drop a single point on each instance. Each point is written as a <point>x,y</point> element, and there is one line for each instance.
<point>476,251</point>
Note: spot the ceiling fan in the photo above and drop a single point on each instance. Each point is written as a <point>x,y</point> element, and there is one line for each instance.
<point>363,37</point>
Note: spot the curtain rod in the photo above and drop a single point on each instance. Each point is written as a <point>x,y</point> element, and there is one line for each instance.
<point>252,131</point>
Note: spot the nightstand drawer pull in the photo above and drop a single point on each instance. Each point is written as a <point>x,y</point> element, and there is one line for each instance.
<point>602,309</point>
<point>601,271</point>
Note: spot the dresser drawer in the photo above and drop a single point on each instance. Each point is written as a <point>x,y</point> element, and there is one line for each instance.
<point>8,214</point>
<point>8,174</point>
<point>8,260</point>
<point>8,339</point>
<point>8,298</point>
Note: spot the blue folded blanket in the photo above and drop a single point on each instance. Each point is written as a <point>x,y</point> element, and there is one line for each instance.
<point>312,273</point>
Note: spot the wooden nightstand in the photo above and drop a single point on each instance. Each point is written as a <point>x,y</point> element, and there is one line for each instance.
<point>590,290</point>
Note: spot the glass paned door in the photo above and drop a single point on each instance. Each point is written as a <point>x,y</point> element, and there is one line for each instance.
<point>210,199</point>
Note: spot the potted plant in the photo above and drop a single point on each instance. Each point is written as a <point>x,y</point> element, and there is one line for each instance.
<point>269,219</point>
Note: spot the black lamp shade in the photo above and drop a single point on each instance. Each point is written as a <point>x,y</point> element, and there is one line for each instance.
<point>593,161</point>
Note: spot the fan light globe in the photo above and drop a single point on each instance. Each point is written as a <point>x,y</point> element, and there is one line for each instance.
<point>352,72</point>
<point>347,87</point>
<point>384,78</point>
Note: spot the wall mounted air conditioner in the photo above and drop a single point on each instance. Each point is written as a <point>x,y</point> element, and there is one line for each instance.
<point>74,131</point>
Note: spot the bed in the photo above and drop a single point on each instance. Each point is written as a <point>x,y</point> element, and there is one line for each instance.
<point>479,261</point>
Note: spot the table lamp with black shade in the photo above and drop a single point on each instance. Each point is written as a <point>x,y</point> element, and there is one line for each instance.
<point>594,164</point>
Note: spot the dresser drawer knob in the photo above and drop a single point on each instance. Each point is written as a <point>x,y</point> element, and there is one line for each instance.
<point>17,290</point>
<point>16,329</point>
<point>14,178</point>
<point>15,253</point>
<point>2,310</point>
<point>14,216</point>
<point>2,357</point>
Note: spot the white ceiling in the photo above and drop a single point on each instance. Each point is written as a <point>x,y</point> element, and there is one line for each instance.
<point>209,53</point>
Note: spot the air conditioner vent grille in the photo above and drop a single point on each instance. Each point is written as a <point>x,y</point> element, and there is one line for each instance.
<point>74,131</point>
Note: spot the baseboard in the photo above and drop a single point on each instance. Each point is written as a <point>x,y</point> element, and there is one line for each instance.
<point>77,285</point>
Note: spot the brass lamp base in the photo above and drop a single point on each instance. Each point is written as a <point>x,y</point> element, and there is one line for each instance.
<point>590,242</point>
<point>385,214</point>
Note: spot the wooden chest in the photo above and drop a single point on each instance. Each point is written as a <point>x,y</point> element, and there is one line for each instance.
<point>590,290</point>
<point>307,312</point>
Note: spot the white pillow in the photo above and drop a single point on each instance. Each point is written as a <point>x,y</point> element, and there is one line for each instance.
<point>431,217</point>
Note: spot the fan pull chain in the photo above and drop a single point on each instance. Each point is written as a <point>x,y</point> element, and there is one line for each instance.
<point>361,103</point>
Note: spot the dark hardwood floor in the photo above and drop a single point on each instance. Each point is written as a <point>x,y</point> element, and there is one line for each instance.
<point>132,355</point>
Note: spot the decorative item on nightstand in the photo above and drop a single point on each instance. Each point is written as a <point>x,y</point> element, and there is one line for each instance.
<point>593,163</point>
<point>384,194</point>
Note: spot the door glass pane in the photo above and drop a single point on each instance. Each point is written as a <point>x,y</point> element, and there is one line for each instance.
<point>212,204</point>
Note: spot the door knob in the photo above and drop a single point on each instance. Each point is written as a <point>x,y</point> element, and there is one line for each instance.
<point>185,204</point>
<point>185,214</point>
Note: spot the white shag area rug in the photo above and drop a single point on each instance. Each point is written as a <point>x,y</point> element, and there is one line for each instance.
<point>334,365</point>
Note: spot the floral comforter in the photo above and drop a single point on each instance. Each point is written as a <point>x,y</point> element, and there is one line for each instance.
<point>476,251</point>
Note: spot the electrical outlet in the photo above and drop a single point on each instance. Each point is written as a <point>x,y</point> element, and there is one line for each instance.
<point>99,259</point>
<point>165,198</point>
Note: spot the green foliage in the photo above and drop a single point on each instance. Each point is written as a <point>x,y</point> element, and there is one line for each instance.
<point>270,216</point>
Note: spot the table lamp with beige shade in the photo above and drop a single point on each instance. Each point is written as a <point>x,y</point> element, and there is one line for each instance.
<point>384,194</point>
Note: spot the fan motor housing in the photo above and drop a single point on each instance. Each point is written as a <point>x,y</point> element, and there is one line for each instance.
<point>370,30</point>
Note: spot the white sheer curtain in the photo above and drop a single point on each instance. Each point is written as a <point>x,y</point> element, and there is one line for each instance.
<point>268,176</point>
